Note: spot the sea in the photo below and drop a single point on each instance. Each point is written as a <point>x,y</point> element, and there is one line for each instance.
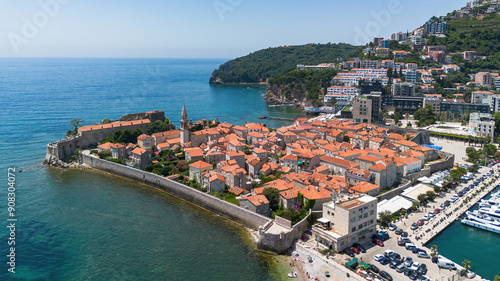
<point>86,225</point>
<point>459,242</point>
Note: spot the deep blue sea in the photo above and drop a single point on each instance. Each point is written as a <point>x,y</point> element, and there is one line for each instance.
<point>84,225</point>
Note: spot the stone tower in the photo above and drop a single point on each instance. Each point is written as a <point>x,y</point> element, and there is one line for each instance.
<point>184,126</point>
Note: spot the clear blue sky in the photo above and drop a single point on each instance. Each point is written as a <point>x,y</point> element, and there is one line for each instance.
<point>198,29</point>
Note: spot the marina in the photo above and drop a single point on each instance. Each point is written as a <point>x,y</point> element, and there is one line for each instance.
<point>460,209</point>
<point>481,221</point>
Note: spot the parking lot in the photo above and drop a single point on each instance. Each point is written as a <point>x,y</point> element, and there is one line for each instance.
<point>423,233</point>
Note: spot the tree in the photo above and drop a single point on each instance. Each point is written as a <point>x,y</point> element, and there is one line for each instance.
<point>407,116</point>
<point>76,123</point>
<point>421,197</point>
<point>466,265</point>
<point>434,249</point>
<point>437,189</point>
<point>247,150</point>
<point>496,278</point>
<point>430,195</point>
<point>105,121</point>
<point>273,196</point>
<point>385,217</point>
<point>346,139</point>
<point>415,205</point>
<point>159,126</point>
<point>490,149</point>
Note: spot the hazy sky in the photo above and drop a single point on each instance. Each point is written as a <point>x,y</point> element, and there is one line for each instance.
<point>201,29</point>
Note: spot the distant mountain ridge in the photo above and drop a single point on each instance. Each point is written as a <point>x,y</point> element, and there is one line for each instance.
<point>261,65</point>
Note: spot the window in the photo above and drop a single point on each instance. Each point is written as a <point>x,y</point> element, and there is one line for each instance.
<point>371,221</point>
<point>366,215</point>
<point>371,212</point>
<point>353,219</point>
<point>360,217</point>
<point>360,226</point>
<point>353,229</point>
<point>342,243</point>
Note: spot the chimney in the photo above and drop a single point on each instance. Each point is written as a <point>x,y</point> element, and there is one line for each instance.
<point>317,188</point>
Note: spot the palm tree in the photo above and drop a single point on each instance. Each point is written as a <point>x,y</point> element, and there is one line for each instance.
<point>496,278</point>
<point>466,265</point>
<point>435,249</point>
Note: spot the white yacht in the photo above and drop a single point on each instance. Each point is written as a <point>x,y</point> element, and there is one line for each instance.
<point>481,223</point>
<point>482,218</point>
<point>493,212</point>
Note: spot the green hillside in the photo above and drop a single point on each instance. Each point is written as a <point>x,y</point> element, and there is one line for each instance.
<point>257,67</point>
<point>472,34</point>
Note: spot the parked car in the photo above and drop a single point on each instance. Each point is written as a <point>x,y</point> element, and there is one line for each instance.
<point>377,241</point>
<point>374,268</point>
<point>388,253</point>
<point>377,257</point>
<point>430,214</point>
<point>395,257</point>
<point>415,266</point>
<point>394,263</point>
<point>423,278</point>
<point>425,218</point>
<point>398,231</point>
<point>384,261</point>
<point>422,269</point>
<point>348,252</point>
<point>403,241</point>
<point>400,268</point>
<point>414,275</point>
<point>423,255</point>
<point>354,250</point>
<point>404,234</point>
<point>386,275</point>
<point>360,248</point>
<point>460,194</point>
<point>408,271</point>
<point>437,211</point>
<point>392,227</point>
<point>408,261</point>
<point>376,278</point>
<point>414,226</point>
<point>420,222</point>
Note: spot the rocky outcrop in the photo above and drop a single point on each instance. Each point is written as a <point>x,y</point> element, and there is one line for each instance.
<point>286,94</point>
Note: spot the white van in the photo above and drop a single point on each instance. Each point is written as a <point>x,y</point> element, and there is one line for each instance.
<point>447,264</point>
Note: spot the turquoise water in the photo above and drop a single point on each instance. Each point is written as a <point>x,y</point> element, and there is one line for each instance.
<point>83,225</point>
<point>461,242</point>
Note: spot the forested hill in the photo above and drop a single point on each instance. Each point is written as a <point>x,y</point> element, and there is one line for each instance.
<point>257,67</point>
<point>473,34</point>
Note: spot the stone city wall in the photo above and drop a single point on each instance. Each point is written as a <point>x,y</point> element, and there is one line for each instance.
<point>280,243</point>
<point>448,161</point>
<point>395,192</point>
<point>226,209</point>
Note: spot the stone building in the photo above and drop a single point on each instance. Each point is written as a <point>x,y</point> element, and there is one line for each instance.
<point>348,222</point>
<point>184,128</point>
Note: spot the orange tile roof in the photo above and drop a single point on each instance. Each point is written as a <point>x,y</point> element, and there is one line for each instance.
<point>378,167</point>
<point>200,165</point>
<point>256,200</point>
<point>339,161</point>
<point>363,187</point>
<point>106,146</point>
<point>138,151</point>
<point>315,192</point>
